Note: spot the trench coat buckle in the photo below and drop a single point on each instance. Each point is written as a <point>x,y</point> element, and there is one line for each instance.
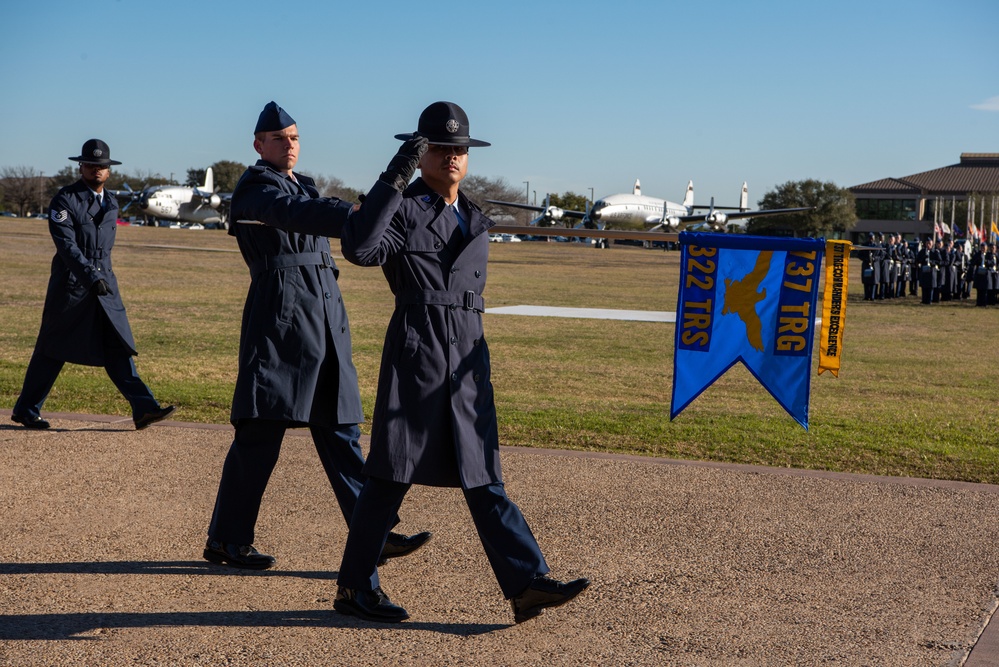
<point>327,261</point>
<point>474,302</point>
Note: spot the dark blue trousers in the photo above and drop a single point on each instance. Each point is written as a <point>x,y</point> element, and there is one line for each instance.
<point>510,546</point>
<point>251,460</point>
<point>43,371</point>
<point>930,294</point>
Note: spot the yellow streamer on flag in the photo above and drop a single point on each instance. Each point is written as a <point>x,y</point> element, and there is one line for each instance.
<point>834,306</point>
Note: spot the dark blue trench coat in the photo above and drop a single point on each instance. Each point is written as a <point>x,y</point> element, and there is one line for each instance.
<point>434,421</point>
<point>73,323</point>
<point>287,369</point>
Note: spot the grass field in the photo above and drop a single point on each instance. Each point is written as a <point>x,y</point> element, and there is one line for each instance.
<point>916,395</point>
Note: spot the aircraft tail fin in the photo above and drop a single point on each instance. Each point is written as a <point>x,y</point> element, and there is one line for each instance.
<point>744,197</point>
<point>638,187</point>
<point>688,197</point>
<point>209,185</point>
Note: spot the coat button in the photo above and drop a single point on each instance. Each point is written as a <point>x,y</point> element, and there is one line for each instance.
<point>454,269</point>
<point>343,329</point>
<point>476,377</point>
<point>478,274</point>
<point>327,295</point>
<point>437,245</point>
<point>454,340</point>
<point>454,377</point>
<point>475,342</point>
<point>453,306</point>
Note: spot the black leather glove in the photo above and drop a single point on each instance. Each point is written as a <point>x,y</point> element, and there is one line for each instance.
<point>402,167</point>
<point>102,288</point>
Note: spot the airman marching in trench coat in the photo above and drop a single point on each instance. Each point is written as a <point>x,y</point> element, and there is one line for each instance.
<point>295,365</point>
<point>293,304</point>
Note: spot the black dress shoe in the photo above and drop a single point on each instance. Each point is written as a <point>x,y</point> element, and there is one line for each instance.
<point>159,414</point>
<point>543,593</point>
<point>369,605</point>
<point>397,545</point>
<point>30,422</point>
<point>237,555</point>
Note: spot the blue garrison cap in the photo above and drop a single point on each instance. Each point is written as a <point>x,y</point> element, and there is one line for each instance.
<point>273,118</point>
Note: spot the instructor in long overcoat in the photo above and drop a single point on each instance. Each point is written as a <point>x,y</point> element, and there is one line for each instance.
<point>74,314</point>
<point>84,320</point>
<point>434,421</point>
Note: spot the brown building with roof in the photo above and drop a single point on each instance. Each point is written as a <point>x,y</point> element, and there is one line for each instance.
<point>910,204</point>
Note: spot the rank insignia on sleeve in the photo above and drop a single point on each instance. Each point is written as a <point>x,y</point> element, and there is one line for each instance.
<point>59,216</point>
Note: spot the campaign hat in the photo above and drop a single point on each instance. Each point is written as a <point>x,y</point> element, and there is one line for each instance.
<point>444,124</point>
<point>95,151</point>
<point>273,118</point>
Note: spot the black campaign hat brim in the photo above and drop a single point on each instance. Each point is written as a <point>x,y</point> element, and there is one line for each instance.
<point>447,141</point>
<point>90,160</point>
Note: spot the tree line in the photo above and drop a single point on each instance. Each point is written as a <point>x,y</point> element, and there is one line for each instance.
<point>25,191</point>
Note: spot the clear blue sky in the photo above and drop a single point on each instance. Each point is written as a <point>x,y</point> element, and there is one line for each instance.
<point>572,95</point>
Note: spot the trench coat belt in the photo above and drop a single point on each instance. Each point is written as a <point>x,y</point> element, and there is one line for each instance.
<point>467,300</point>
<point>95,253</point>
<point>286,260</point>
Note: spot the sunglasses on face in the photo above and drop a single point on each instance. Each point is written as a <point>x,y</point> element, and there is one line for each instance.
<point>447,150</point>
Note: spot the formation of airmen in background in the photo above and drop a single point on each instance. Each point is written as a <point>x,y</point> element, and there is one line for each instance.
<point>891,268</point>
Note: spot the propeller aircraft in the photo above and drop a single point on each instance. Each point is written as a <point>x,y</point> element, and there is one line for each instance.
<point>200,204</point>
<point>642,213</point>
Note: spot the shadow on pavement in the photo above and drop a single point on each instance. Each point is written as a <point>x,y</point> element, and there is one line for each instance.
<point>185,567</point>
<point>71,626</point>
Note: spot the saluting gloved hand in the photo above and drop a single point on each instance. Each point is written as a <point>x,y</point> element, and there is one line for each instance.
<point>402,167</point>
<point>102,288</point>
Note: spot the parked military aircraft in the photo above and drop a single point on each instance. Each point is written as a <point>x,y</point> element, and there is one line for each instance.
<point>640,212</point>
<point>180,203</point>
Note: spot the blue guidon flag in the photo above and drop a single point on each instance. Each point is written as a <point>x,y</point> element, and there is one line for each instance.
<point>750,299</point>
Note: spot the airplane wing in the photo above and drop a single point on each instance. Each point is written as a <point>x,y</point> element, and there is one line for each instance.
<point>526,207</point>
<point>721,217</point>
<point>549,214</point>
<point>579,232</point>
<point>715,220</point>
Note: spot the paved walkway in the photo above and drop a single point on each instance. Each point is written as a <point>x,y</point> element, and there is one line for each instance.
<point>692,563</point>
